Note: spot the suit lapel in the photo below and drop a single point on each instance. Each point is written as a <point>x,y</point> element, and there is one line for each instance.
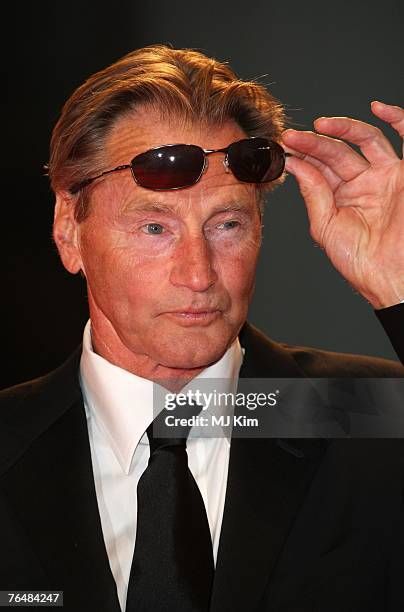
<point>50,488</point>
<point>58,511</point>
<point>267,483</point>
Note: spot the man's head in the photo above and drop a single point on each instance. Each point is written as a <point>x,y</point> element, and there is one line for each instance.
<point>152,259</point>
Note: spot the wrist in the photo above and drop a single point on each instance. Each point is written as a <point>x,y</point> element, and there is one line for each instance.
<point>388,293</point>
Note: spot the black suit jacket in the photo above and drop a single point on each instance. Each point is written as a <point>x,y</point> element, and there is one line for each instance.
<point>309,525</point>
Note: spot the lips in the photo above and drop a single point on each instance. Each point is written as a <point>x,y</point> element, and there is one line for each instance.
<point>194,316</point>
<point>194,310</point>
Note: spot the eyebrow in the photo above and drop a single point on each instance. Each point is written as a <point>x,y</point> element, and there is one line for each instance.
<point>160,207</point>
<point>149,207</point>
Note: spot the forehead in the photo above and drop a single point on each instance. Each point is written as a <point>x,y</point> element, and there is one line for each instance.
<point>145,129</point>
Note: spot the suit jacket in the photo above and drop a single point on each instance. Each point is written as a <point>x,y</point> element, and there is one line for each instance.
<point>309,525</point>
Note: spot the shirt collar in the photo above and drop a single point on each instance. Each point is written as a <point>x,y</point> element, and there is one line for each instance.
<point>121,403</point>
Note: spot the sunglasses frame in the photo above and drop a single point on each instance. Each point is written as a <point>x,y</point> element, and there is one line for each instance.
<point>78,186</point>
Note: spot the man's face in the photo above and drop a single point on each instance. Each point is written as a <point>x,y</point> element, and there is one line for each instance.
<point>170,274</point>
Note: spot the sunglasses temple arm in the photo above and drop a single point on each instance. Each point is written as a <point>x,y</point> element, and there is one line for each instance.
<point>86,182</point>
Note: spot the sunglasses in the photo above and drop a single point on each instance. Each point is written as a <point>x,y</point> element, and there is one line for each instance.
<point>176,166</point>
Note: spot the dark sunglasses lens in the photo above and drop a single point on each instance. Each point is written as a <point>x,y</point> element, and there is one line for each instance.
<point>168,167</point>
<point>256,160</point>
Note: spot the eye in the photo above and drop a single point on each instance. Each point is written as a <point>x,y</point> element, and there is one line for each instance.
<point>227,225</point>
<point>152,228</point>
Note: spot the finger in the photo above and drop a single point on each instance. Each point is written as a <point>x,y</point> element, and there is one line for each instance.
<point>337,155</point>
<point>394,115</point>
<point>317,195</point>
<point>372,142</point>
<point>333,179</point>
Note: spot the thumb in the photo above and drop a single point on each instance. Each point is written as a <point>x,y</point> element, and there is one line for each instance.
<point>317,194</point>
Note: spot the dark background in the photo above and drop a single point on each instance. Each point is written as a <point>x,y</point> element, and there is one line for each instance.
<point>317,58</point>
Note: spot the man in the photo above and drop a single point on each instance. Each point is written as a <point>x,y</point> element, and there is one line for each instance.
<point>168,244</point>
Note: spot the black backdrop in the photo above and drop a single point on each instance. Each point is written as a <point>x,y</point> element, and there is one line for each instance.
<point>317,58</point>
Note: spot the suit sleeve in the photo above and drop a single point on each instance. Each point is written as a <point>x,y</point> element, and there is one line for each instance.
<point>392,319</point>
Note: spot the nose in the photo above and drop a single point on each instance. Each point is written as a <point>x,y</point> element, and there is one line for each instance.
<point>193,265</point>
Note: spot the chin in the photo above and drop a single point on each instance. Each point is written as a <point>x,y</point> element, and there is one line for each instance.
<point>193,351</point>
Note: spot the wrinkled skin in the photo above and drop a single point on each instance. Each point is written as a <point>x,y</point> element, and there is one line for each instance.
<point>146,254</point>
<point>355,203</point>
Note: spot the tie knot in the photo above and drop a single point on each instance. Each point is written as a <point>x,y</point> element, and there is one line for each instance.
<point>172,427</point>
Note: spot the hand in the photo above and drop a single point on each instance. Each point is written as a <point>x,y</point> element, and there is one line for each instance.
<point>355,203</point>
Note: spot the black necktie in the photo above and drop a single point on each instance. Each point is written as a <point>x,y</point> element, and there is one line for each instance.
<point>172,567</point>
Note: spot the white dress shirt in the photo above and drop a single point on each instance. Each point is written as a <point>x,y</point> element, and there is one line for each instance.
<point>119,408</point>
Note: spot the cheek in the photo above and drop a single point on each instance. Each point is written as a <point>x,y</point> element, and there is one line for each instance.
<point>236,262</point>
<point>237,274</point>
<point>108,268</point>
<point>123,280</point>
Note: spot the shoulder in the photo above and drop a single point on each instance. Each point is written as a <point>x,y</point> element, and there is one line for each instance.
<point>56,382</point>
<point>320,363</point>
<point>270,358</point>
<point>29,409</point>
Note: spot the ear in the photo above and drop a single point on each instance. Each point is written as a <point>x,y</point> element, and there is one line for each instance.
<point>65,232</point>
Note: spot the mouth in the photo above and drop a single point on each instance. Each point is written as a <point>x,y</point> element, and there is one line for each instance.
<point>192,316</point>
